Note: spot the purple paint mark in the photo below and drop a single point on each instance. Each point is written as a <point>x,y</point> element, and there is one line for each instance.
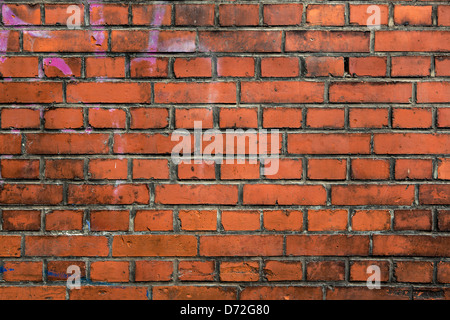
<point>153,39</point>
<point>4,34</point>
<point>6,157</point>
<point>98,36</point>
<point>2,59</point>
<point>10,18</point>
<point>68,131</point>
<point>60,64</point>
<point>15,131</point>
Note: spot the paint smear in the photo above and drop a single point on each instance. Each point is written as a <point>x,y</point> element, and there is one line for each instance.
<point>60,64</point>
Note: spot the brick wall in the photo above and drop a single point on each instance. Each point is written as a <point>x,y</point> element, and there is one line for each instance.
<point>88,115</point>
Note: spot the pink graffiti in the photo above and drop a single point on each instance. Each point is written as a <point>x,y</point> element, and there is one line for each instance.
<point>4,34</point>
<point>60,64</point>
<point>10,18</point>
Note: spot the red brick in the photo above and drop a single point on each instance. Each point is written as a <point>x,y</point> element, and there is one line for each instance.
<point>109,220</point>
<point>31,92</point>
<point>371,220</point>
<point>110,271</point>
<point>327,41</point>
<point>238,118</point>
<point>434,194</point>
<point>411,143</point>
<point>368,118</point>
<point>20,118</point>
<point>327,169</point>
<point>56,14</point>
<point>153,270</point>
<point>241,245</point>
<point>196,194</point>
<point>33,293</point>
<point>437,92</point>
<point>410,66</point>
<point>109,293</point>
<point>282,14</point>
<point>412,220</point>
<point>193,293</point>
<point>412,169</point>
<point>281,293</point>
<point>19,169</point>
<point>281,92</point>
<point>19,67</point>
<point>358,270</point>
<point>192,67</point>
<point>10,246</point>
<point>242,220</point>
<point>185,118</point>
<point>63,118</point>
<point>370,169</point>
<point>443,220</point>
<point>266,194</point>
<point>196,270</point>
<point>194,14</point>
<point>239,271</point>
<point>238,14</point>
<point>65,41</point>
<point>324,66</point>
<point>413,271</point>
<point>325,118</point>
<point>57,270</point>
<point>67,143</point>
<point>411,118</point>
<point>150,169</point>
<point>108,194</point>
<point>216,92</point>
<point>321,143</point>
<point>325,271</point>
<point>153,15</point>
<point>325,15</point>
<point>107,118</point>
<point>153,220</point>
<point>283,220</point>
<point>21,220</point>
<point>283,270</point>
<point>235,67</point>
<point>148,118</point>
<point>280,67</point>
<point>64,169</point>
<point>443,118</point>
<point>443,14</point>
<point>364,293</point>
<point>198,220</point>
<point>282,117</point>
<point>66,246</point>
<point>105,67</point>
<point>108,169</point>
<point>21,14</point>
<point>359,14</point>
<point>372,194</point>
<point>368,66</point>
<point>55,67</point>
<point>239,41</point>
<point>412,41</point>
<point>138,41</point>
<point>412,15</point>
<point>154,245</point>
<point>327,245</point>
<point>31,194</point>
<point>64,220</point>
<point>108,92</point>
<point>370,92</point>
<point>410,245</point>
<point>108,14</point>
<point>327,220</point>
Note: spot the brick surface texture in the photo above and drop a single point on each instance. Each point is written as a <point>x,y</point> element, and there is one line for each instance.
<point>87,121</point>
